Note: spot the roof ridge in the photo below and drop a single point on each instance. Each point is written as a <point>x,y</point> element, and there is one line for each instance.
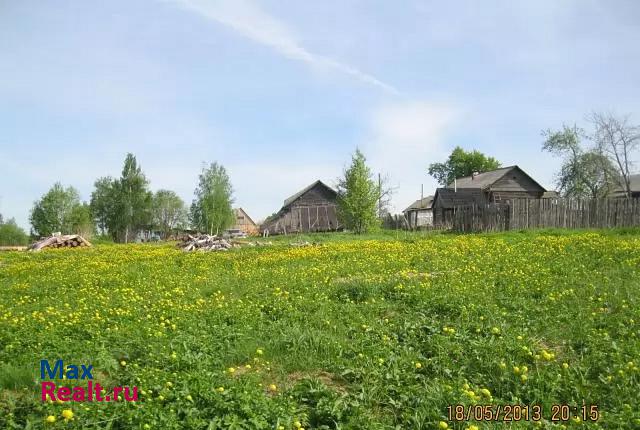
<point>489,171</point>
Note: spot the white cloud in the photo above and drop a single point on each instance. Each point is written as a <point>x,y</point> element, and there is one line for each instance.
<point>404,138</point>
<point>248,19</point>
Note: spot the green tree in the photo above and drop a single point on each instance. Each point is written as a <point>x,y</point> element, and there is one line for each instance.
<point>617,139</point>
<point>358,196</point>
<point>81,220</point>
<point>53,211</point>
<point>169,211</point>
<point>211,209</point>
<point>584,173</point>
<point>133,202</point>
<point>462,163</point>
<point>103,203</point>
<point>122,206</point>
<point>11,234</point>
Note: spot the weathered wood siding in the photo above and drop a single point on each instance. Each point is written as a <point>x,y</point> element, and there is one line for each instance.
<point>244,222</point>
<point>314,211</point>
<point>520,214</point>
<point>514,185</point>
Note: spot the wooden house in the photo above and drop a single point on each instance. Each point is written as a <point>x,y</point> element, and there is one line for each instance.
<point>244,222</point>
<point>496,186</point>
<point>314,208</point>
<point>420,213</point>
<point>502,185</point>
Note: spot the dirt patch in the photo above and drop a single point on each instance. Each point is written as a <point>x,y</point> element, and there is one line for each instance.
<point>332,381</point>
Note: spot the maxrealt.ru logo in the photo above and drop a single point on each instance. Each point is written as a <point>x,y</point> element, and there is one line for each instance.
<point>89,393</point>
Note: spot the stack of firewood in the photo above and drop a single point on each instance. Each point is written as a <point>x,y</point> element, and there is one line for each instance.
<point>205,242</point>
<point>60,241</point>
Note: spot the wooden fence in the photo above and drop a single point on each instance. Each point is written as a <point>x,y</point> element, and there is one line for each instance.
<point>544,213</point>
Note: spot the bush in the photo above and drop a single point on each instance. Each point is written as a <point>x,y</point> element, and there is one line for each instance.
<point>12,235</point>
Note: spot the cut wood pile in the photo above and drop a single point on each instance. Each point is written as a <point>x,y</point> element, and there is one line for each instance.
<point>60,241</point>
<point>205,242</point>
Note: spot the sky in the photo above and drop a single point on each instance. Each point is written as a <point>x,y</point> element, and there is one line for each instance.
<point>283,92</point>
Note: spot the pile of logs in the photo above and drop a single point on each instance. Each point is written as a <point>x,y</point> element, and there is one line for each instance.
<point>205,242</point>
<point>60,241</point>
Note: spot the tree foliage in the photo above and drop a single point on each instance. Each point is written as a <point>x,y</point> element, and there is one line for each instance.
<point>586,171</point>
<point>102,203</point>
<point>462,163</point>
<point>134,199</point>
<point>81,220</point>
<point>169,211</point>
<point>358,196</point>
<point>11,234</point>
<point>122,206</point>
<point>211,210</point>
<point>618,139</point>
<point>53,212</point>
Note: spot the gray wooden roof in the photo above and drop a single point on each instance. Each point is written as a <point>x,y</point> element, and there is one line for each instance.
<point>487,179</point>
<point>449,198</point>
<point>295,197</point>
<point>425,203</point>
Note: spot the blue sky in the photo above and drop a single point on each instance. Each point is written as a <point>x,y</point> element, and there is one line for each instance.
<point>282,92</point>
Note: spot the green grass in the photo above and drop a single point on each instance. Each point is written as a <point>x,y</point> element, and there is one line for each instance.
<point>376,332</point>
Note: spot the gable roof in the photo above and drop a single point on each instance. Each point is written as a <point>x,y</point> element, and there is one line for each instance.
<point>297,195</point>
<point>487,179</point>
<point>449,198</point>
<point>236,210</point>
<point>425,203</point>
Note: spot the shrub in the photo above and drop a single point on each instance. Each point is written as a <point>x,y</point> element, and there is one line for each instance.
<point>12,235</point>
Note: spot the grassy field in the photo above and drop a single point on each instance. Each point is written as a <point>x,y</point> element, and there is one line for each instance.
<point>371,333</point>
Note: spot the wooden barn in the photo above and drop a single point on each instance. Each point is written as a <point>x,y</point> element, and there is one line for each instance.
<point>311,209</point>
<point>244,222</point>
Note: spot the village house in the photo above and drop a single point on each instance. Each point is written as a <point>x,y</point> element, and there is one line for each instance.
<point>501,185</point>
<point>496,186</point>
<point>419,214</point>
<point>314,208</point>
